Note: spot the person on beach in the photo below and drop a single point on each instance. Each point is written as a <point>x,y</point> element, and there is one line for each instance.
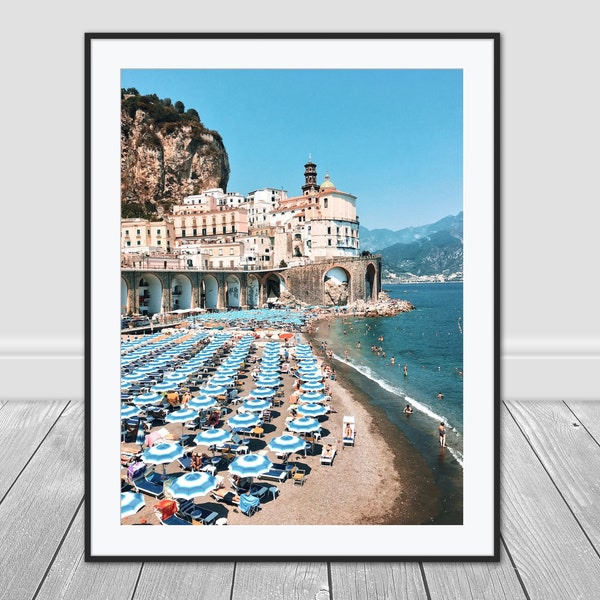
<point>442,433</point>
<point>196,464</point>
<point>408,410</point>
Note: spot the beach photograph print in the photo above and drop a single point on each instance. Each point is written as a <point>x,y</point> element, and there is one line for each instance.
<point>291,342</point>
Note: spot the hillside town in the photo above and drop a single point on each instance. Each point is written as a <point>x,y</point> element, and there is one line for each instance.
<point>265,229</point>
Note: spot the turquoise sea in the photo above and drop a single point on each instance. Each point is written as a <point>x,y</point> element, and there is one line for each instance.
<point>429,341</point>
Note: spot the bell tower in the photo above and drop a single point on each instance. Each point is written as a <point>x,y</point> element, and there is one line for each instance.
<point>310,178</point>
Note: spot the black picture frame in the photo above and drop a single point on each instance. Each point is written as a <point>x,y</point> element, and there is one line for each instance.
<point>478,55</point>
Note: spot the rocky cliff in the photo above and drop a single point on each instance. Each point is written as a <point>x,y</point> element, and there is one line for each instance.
<point>166,154</point>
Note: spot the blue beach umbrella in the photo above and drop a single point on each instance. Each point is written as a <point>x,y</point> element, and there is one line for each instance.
<point>243,420</point>
<point>140,437</point>
<point>312,386</point>
<point>163,454</point>
<point>131,502</point>
<point>212,436</point>
<point>201,402</point>
<point>310,376</point>
<point>312,397</point>
<point>181,416</point>
<point>128,411</point>
<point>221,380</point>
<point>193,484</point>
<point>287,443</point>
<point>267,382</point>
<point>175,377</point>
<point>256,404</point>
<point>270,371</point>
<point>311,410</point>
<point>304,425</point>
<point>214,390</point>
<point>261,392</point>
<point>147,398</point>
<point>226,371</point>
<point>250,465</point>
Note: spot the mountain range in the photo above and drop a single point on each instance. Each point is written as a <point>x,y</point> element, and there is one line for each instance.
<point>431,252</point>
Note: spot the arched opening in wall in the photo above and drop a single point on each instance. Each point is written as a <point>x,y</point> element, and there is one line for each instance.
<point>232,292</point>
<point>370,282</point>
<point>275,286</point>
<point>253,291</point>
<point>181,293</point>
<point>336,287</point>
<point>124,298</point>
<point>209,292</point>
<point>149,295</point>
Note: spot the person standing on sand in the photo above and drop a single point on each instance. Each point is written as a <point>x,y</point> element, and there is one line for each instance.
<point>442,433</point>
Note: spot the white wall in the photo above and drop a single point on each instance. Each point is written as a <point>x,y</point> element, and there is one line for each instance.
<point>551,125</point>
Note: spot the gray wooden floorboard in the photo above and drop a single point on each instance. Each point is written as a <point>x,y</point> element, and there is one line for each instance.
<point>550,528</point>
<point>38,509</point>
<point>473,580</point>
<point>71,578</point>
<point>279,581</point>
<point>188,581</point>
<point>568,453</point>
<point>23,426</point>
<point>373,580</point>
<point>552,554</point>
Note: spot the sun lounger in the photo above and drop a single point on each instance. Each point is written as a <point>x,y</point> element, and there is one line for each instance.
<point>197,513</point>
<point>262,491</point>
<point>175,520</point>
<point>279,475</point>
<point>147,486</point>
<point>327,454</point>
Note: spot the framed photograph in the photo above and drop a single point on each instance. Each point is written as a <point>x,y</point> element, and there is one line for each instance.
<point>292,283</point>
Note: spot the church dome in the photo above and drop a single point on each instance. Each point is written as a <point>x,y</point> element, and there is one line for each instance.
<point>327,184</point>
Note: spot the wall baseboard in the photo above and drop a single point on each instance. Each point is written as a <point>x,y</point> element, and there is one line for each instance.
<point>524,377</point>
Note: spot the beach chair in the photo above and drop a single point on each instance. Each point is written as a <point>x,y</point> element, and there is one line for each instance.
<point>228,497</point>
<point>249,504</point>
<point>327,454</point>
<point>196,512</point>
<point>263,491</point>
<point>279,475</point>
<point>299,477</point>
<point>348,430</point>
<point>145,482</point>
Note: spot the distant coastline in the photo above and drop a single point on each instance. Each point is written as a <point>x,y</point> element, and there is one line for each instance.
<point>453,278</point>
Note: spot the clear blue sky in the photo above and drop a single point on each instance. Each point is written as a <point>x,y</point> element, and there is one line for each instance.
<point>393,138</point>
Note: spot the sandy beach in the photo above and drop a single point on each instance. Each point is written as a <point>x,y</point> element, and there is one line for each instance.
<point>379,480</point>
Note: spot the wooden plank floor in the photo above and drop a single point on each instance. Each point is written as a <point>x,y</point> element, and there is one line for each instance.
<point>550,524</point>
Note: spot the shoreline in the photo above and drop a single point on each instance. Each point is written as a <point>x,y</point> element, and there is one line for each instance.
<point>417,501</point>
<point>440,466</point>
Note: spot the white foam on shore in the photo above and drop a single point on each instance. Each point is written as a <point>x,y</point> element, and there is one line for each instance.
<point>457,455</point>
